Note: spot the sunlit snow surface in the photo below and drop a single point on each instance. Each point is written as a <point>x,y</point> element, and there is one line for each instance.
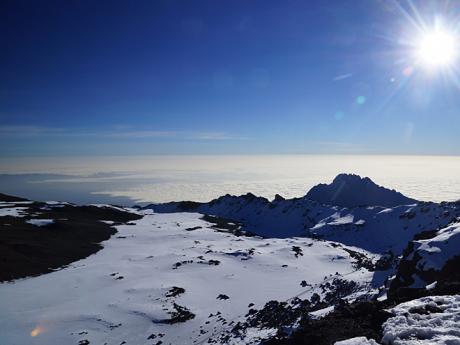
<point>430,320</point>
<point>7,210</point>
<point>357,341</point>
<point>119,294</point>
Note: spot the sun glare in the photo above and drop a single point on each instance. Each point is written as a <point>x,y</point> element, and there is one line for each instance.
<point>436,49</point>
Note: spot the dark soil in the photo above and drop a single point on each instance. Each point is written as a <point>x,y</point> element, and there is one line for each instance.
<point>226,225</point>
<point>10,198</point>
<point>29,250</point>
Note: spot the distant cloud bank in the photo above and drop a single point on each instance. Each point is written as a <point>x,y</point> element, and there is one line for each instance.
<point>124,133</point>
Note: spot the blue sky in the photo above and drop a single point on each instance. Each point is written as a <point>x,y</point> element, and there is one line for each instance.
<point>221,77</point>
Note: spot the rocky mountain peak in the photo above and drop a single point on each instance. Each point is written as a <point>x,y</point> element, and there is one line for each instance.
<point>350,190</point>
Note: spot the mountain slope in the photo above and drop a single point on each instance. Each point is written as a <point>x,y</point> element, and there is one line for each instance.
<point>184,278</point>
<point>278,218</point>
<point>377,229</point>
<point>380,229</point>
<point>10,198</point>
<point>430,262</point>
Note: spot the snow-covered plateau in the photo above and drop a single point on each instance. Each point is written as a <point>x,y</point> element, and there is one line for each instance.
<point>236,270</point>
<point>165,267</point>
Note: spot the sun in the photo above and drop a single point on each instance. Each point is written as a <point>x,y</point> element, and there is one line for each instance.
<point>436,49</point>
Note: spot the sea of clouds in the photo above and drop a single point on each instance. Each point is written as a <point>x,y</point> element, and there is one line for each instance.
<point>201,178</point>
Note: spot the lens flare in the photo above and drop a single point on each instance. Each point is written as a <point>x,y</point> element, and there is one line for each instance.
<point>361,100</point>
<point>37,331</point>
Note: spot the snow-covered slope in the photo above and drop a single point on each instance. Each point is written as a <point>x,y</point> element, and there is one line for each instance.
<point>375,228</point>
<point>196,273</point>
<point>349,190</point>
<point>431,262</point>
<point>279,218</point>
<point>435,252</point>
<point>172,279</point>
<point>380,229</point>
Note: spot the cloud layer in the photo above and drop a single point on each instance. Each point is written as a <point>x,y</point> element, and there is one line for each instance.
<point>19,131</point>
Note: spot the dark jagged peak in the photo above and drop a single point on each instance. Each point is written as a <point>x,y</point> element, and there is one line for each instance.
<point>249,196</point>
<point>350,190</point>
<point>278,198</point>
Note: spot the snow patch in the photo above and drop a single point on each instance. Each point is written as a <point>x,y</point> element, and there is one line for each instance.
<point>40,222</point>
<point>321,313</point>
<point>13,212</point>
<point>431,286</point>
<point>338,220</point>
<point>357,341</point>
